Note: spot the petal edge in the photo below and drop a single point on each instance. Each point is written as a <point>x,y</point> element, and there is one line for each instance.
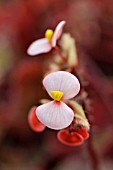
<point>57,32</point>
<point>39,46</point>
<point>62,81</point>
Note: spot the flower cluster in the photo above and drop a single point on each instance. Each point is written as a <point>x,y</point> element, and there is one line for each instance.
<point>69,118</point>
<point>61,113</point>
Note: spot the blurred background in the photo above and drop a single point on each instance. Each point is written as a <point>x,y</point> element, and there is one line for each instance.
<point>23,21</point>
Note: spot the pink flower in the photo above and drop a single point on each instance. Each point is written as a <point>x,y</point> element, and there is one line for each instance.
<point>45,45</point>
<point>56,114</point>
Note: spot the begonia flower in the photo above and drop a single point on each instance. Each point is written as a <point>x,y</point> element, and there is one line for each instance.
<point>56,114</point>
<point>73,137</point>
<point>33,121</point>
<point>45,45</point>
<point>70,138</point>
<point>83,131</point>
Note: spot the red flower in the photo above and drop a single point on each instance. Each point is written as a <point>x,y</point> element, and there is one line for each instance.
<point>70,138</point>
<point>82,130</point>
<point>33,121</point>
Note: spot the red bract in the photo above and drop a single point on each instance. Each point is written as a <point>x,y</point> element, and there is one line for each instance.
<point>83,132</point>
<point>34,123</point>
<point>70,139</point>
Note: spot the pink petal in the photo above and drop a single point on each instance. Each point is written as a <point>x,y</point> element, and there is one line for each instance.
<point>62,81</point>
<point>39,46</point>
<point>55,115</point>
<point>57,32</point>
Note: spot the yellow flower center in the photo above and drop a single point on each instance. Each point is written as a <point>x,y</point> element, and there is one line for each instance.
<point>49,34</point>
<point>57,95</point>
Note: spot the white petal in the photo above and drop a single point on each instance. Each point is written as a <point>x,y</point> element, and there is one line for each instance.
<point>39,46</point>
<point>55,115</point>
<point>62,81</point>
<point>57,32</point>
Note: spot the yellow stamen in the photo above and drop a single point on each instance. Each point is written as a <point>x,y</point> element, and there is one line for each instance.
<point>57,95</point>
<point>49,34</point>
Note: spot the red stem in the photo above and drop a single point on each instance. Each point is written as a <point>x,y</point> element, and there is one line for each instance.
<point>60,53</point>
